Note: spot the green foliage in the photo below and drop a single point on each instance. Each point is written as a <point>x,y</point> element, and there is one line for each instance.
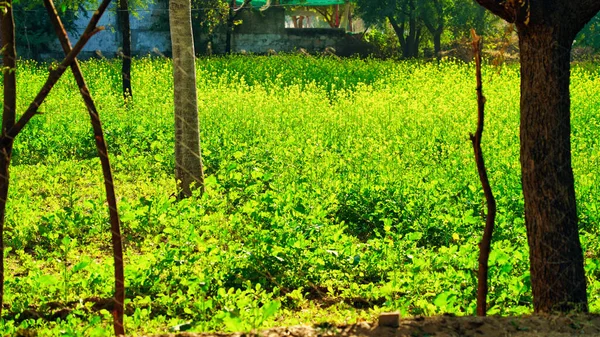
<point>466,15</point>
<point>453,19</point>
<point>384,40</point>
<point>336,189</point>
<point>209,14</point>
<point>590,35</point>
<point>33,30</point>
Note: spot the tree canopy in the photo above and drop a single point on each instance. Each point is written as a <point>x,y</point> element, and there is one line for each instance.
<point>416,20</point>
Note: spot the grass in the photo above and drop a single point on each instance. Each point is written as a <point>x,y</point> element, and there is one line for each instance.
<point>335,190</point>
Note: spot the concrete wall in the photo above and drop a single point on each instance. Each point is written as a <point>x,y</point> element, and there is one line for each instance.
<point>149,34</point>
<point>259,32</point>
<point>263,31</point>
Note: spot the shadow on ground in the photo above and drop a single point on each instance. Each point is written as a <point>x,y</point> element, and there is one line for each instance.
<point>442,326</point>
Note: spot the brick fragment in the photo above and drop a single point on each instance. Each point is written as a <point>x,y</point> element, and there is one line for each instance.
<point>389,319</point>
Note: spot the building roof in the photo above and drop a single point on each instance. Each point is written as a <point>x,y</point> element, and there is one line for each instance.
<point>311,3</point>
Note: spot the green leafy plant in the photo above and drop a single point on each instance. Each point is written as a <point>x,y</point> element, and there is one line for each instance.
<point>336,189</point>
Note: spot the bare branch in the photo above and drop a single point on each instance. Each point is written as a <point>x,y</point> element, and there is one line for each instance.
<point>106,169</point>
<point>486,241</point>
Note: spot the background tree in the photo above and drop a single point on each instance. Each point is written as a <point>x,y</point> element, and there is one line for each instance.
<point>207,17</point>
<point>434,15</point>
<point>231,16</point>
<point>401,14</point>
<point>124,27</point>
<point>465,15</point>
<point>34,32</point>
<point>546,32</point>
<point>188,160</point>
<point>126,8</point>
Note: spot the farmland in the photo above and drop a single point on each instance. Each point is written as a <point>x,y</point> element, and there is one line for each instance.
<point>336,189</point>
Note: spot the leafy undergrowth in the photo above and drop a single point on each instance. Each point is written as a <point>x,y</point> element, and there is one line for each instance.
<point>335,190</point>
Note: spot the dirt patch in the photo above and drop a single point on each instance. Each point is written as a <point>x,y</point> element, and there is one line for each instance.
<point>442,326</point>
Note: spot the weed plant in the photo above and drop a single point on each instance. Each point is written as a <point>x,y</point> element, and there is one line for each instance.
<point>336,189</point>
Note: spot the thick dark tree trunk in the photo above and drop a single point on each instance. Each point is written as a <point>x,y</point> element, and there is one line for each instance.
<point>546,32</point>
<point>557,275</point>
<point>126,36</point>
<point>9,56</point>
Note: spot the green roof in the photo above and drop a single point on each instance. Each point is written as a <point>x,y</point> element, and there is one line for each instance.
<point>261,3</point>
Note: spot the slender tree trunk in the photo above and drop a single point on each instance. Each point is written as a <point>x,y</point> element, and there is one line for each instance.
<point>230,21</point>
<point>188,160</point>
<point>437,43</point>
<point>412,33</point>
<point>126,36</point>
<point>9,56</point>
<point>557,274</point>
<point>417,42</point>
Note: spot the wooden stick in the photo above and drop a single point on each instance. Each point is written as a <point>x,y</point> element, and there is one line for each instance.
<point>117,241</point>
<point>486,241</point>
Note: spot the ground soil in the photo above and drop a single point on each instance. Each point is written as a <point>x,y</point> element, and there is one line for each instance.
<point>442,326</point>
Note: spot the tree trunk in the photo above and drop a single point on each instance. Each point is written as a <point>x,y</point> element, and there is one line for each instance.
<point>416,43</point>
<point>546,32</point>
<point>9,56</point>
<point>437,44</point>
<point>229,33</point>
<point>126,35</point>
<point>188,160</point>
<point>399,30</point>
<point>412,45</point>
<point>557,274</point>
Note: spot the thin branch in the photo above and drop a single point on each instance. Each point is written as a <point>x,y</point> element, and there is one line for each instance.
<point>486,241</point>
<point>106,170</point>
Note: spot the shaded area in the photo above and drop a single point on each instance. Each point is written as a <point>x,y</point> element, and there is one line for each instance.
<point>529,326</point>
